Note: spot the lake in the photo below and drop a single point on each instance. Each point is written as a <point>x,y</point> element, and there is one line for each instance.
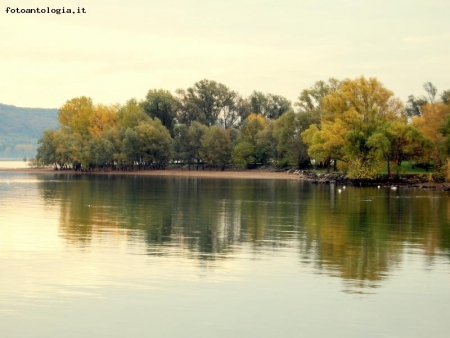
<point>136,256</point>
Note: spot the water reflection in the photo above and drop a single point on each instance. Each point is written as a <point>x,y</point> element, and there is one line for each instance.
<point>359,235</point>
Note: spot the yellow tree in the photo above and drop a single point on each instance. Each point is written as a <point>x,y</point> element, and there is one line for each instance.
<point>103,118</point>
<point>83,125</point>
<point>351,115</point>
<point>434,116</point>
<point>76,115</point>
<point>251,126</point>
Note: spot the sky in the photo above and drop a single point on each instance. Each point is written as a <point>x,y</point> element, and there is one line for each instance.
<point>120,49</point>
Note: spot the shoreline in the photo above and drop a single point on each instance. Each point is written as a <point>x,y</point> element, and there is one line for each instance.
<point>230,174</point>
<point>227,174</point>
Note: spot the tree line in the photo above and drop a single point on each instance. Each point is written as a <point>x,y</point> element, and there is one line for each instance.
<point>355,125</point>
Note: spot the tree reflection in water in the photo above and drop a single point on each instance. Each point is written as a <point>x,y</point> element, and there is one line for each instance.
<point>358,235</point>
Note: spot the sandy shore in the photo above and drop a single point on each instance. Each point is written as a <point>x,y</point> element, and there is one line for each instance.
<point>243,174</point>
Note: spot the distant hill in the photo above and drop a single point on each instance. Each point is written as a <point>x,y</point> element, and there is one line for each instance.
<point>20,129</point>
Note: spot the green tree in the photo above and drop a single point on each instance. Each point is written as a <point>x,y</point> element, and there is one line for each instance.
<point>291,149</point>
<point>131,150</point>
<point>162,105</point>
<point>266,144</point>
<point>398,141</point>
<point>154,143</point>
<point>114,136</point>
<point>244,152</point>
<point>188,110</point>
<point>196,133</point>
<point>46,151</point>
<point>431,91</point>
<point>123,135</point>
<point>102,150</point>
<point>445,97</point>
<point>130,115</point>
<point>205,101</point>
<point>271,106</point>
<point>233,108</point>
<point>414,106</point>
<point>181,144</point>
<point>310,100</point>
<point>216,147</point>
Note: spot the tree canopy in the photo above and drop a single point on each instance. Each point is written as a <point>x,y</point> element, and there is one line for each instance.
<point>356,125</point>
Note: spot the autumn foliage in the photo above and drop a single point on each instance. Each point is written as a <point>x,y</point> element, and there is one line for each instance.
<point>354,125</point>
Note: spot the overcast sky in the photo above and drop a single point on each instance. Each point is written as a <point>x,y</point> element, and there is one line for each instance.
<point>120,49</point>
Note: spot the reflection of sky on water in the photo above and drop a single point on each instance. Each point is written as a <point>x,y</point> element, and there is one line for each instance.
<point>248,279</point>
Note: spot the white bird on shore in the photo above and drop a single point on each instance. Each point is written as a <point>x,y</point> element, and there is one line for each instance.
<point>394,187</point>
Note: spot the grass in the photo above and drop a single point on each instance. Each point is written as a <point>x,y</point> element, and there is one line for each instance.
<point>407,168</point>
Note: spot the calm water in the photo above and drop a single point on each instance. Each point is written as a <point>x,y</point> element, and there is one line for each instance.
<point>116,256</point>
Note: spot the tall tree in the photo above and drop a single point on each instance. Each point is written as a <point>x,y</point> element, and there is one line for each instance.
<point>271,106</point>
<point>162,105</point>
<point>445,96</point>
<point>431,123</point>
<point>196,134</point>
<point>414,105</point>
<point>187,143</point>
<point>131,114</point>
<point>216,147</point>
<point>123,136</point>
<point>181,144</point>
<point>398,141</point>
<point>352,113</point>
<point>48,143</point>
<point>244,153</point>
<point>76,115</point>
<point>233,108</point>
<point>207,95</point>
<point>431,91</point>
<point>291,150</point>
<point>188,110</point>
<point>155,143</point>
<point>310,100</point>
